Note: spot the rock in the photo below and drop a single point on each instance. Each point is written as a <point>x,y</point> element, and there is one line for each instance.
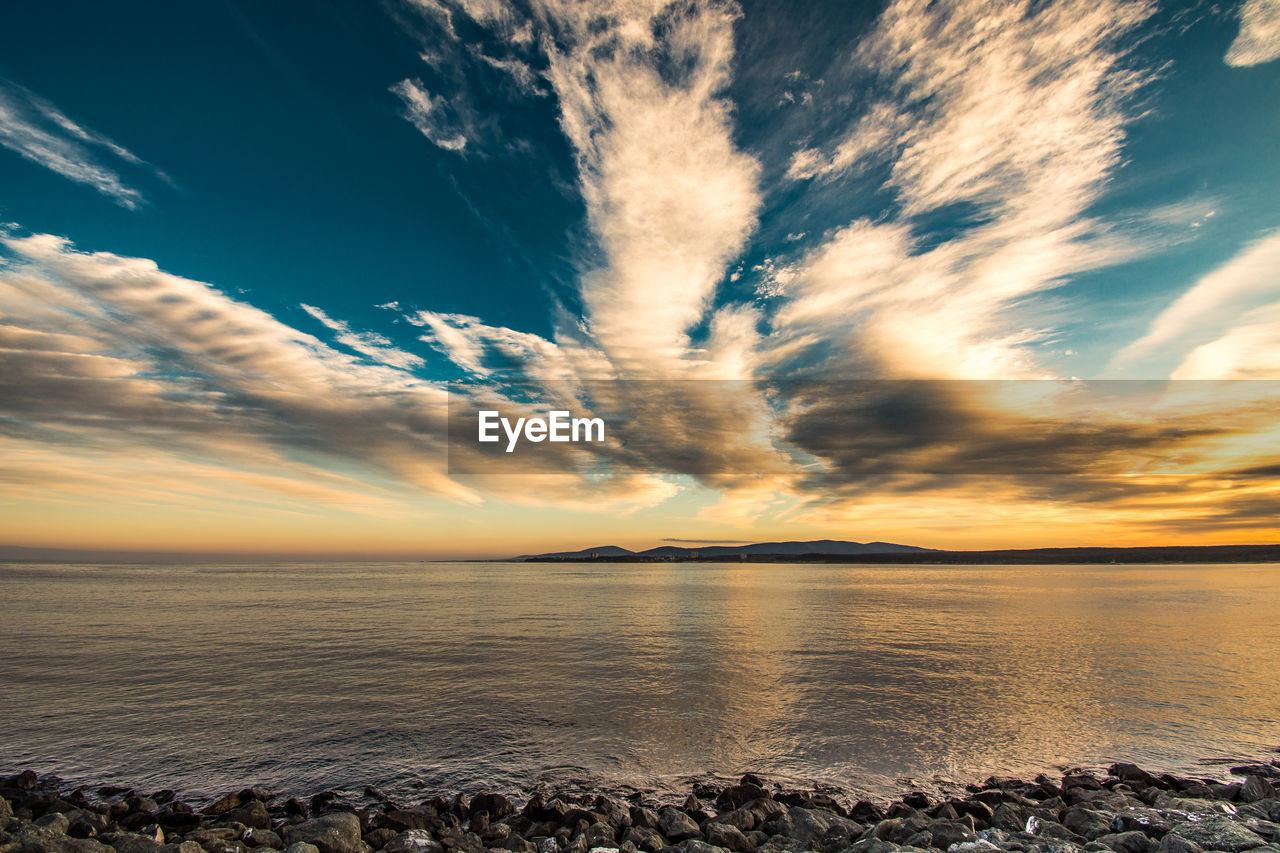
<point>644,838</point>
<point>640,816</point>
<point>496,805</point>
<point>412,841</point>
<point>1087,823</point>
<point>695,846</point>
<point>252,814</point>
<point>743,820</point>
<point>730,837</point>
<point>263,837</point>
<point>26,780</point>
<point>338,832</point>
<point>1132,773</point>
<point>1178,844</point>
<point>378,838</point>
<point>54,822</point>
<point>1147,821</point>
<point>1256,788</point>
<point>301,847</point>
<point>676,825</point>
<point>948,832</point>
<point>976,846</point>
<point>1128,842</point>
<point>6,814</point>
<point>739,795</point>
<point>599,835</point>
<point>131,842</point>
<point>223,804</point>
<point>1218,833</point>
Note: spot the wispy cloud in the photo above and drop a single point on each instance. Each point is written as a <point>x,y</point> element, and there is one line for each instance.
<point>37,130</point>
<point>1259,38</point>
<point>430,114</point>
<point>1214,302</point>
<point>370,344</point>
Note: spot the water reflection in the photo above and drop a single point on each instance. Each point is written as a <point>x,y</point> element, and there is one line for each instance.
<point>459,675</point>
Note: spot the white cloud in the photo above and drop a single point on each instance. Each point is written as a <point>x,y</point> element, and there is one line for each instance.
<point>429,114</point>
<point>669,198</point>
<point>1259,38</point>
<point>370,344</point>
<point>1248,350</point>
<point>1214,301</point>
<point>1011,110</point>
<point>37,130</point>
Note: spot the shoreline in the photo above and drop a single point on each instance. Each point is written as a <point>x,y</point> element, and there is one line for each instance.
<point>1124,810</point>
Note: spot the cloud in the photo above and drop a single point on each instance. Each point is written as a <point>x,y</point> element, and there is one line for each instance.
<point>430,114</point>
<point>1248,350</point>
<point>1259,38</point>
<point>37,130</point>
<point>101,350</point>
<point>1005,119</point>
<point>1217,298</point>
<point>374,346</point>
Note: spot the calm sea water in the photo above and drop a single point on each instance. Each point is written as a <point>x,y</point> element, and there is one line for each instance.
<point>473,675</point>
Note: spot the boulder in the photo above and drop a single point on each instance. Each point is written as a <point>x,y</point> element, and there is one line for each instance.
<point>644,838</point>
<point>1087,823</point>
<point>727,836</point>
<point>338,832</point>
<point>1128,842</point>
<point>412,841</point>
<point>256,836</point>
<point>252,814</point>
<point>496,805</point>
<point>1219,833</point>
<point>677,826</point>
<point>1256,788</point>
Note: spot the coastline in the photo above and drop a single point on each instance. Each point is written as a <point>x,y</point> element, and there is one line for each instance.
<point>1124,810</point>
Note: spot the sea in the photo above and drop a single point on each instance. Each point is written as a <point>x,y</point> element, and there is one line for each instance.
<point>430,677</point>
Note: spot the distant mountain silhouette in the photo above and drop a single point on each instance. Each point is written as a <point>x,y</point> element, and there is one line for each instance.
<point>832,547</point>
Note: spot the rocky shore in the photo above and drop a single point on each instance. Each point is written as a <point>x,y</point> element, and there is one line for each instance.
<point>1128,810</point>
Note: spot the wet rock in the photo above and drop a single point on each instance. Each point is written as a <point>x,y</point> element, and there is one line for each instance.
<point>599,835</point>
<point>252,814</point>
<point>496,805</point>
<point>378,838</point>
<point>54,822</point>
<point>1148,821</point>
<point>738,796</point>
<point>1128,842</point>
<point>256,836</point>
<point>1132,773</point>
<point>644,838</point>
<point>223,804</point>
<point>338,832</point>
<point>26,781</point>
<point>1178,844</point>
<point>947,832</point>
<point>132,842</point>
<point>413,841</point>
<point>677,826</point>
<point>301,847</point>
<point>1218,833</point>
<point>1256,788</point>
<point>695,846</point>
<point>727,836</point>
<point>1087,823</point>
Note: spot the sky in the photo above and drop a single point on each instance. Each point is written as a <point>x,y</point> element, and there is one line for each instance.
<point>953,274</point>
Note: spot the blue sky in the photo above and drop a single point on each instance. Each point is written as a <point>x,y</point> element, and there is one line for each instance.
<point>370,199</point>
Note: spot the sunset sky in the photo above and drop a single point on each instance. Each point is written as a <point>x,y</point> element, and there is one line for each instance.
<point>957,274</point>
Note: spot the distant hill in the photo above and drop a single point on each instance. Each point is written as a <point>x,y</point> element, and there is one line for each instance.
<point>830,551</point>
<point>819,547</point>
